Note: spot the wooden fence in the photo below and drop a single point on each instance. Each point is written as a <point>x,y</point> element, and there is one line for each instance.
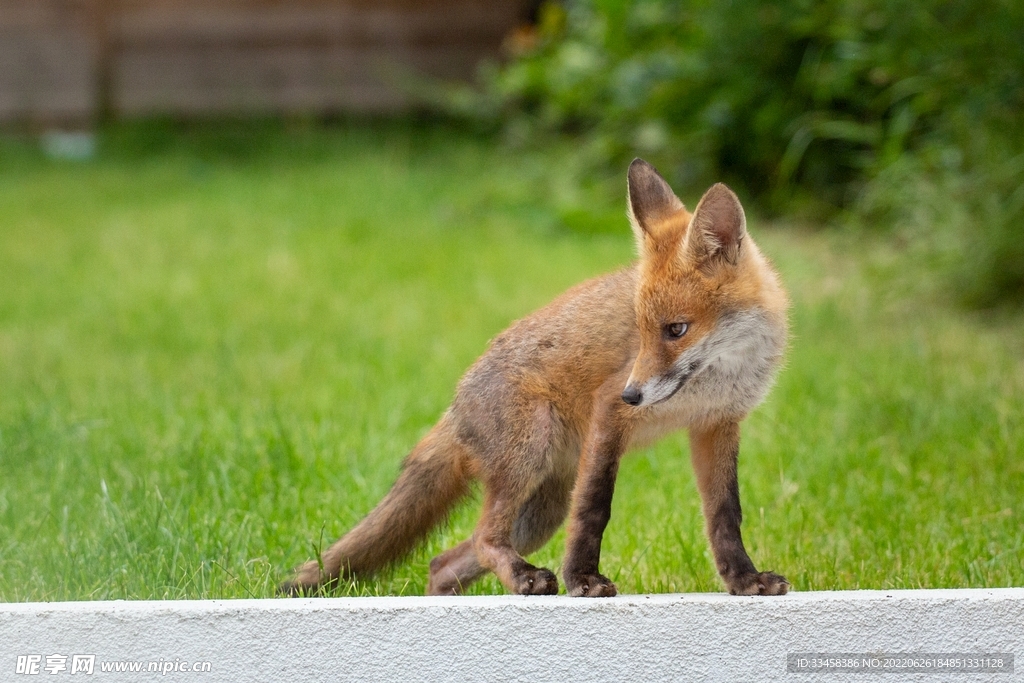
<point>72,61</point>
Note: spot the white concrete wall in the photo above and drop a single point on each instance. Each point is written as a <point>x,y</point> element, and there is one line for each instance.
<point>641,638</point>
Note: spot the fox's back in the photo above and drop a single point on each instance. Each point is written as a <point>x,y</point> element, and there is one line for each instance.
<point>558,357</point>
<point>572,344</point>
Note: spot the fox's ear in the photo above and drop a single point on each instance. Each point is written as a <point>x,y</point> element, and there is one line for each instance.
<point>651,200</point>
<point>717,228</point>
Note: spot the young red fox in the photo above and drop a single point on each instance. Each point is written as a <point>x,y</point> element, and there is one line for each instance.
<point>689,337</point>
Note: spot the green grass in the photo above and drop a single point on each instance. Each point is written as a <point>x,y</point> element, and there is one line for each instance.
<point>216,346</point>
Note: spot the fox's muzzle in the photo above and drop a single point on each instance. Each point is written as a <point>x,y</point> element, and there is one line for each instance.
<point>632,395</point>
<point>660,388</point>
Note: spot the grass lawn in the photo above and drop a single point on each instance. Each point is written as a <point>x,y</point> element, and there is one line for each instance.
<point>216,349</point>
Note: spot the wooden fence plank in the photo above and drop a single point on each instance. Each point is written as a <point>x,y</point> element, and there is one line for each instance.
<point>47,69</point>
<point>69,59</point>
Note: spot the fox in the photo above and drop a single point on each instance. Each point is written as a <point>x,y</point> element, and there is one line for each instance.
<point>690,336</point>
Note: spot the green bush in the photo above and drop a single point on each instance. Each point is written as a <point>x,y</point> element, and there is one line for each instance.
<point>801,105</point>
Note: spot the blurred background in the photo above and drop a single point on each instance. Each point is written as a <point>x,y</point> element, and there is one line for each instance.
<point>885,113</point>
<point>248,247</point>
<point>76,62</point>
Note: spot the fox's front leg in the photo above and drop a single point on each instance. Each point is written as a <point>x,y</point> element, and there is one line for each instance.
<point>715,451</point>
<point>592,506</point>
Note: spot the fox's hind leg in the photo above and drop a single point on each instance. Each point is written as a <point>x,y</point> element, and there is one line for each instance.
<point>490,549</point>
<point>453,570</point>
<point>492,542</point>
<point>543,513</point>
<point>515,446</point>
<point>526,489</point>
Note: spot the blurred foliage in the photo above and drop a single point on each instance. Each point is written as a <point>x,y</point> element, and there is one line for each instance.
<point>806,106</point>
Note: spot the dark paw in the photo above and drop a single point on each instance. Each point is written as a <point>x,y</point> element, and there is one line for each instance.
<point>437,586</point>
<point>589,586</point>
<point>534,581</point>
<point>294,589</point>
<point>764,583</point>
<point>445,582</point>
<point>307,581</point>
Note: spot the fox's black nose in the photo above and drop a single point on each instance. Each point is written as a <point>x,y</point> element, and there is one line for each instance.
<point>632,395</point>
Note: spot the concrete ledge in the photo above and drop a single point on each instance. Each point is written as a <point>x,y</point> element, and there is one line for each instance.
<point>706,637</point>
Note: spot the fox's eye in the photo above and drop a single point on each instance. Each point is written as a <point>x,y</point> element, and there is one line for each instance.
<point>676,330</point>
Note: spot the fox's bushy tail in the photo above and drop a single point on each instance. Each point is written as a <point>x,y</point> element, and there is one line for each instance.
<point>434,477</point>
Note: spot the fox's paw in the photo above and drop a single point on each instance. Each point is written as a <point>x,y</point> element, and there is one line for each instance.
<point>534,581</point>
<point>590,586</point>
<point>294,589</point>
<point>307,581</point>
<point>763,583</point>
